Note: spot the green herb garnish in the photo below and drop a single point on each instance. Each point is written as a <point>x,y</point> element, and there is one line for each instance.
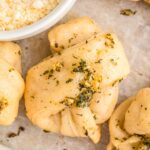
<point>56,45</point>
<point>74,57</point>
<point>32,97</point>
<point>69,80</point>
<point>113,62</point>
<point>57,82</point>
<point>49,73</point>
<point>146,141</point>
<point>109,41</point>
<point>99,61</point>
<point>84,98</point>
<point>3,103</point>
<point>11,69</point>
<point>81,67</point>
<point>127,12</point>
<point>19,53</point>
<point>68,101</point>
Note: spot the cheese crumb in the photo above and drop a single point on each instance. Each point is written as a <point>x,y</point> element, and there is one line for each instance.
<point>19,13</point>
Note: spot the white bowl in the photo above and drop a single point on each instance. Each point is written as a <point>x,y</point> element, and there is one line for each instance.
<point>39,26</point>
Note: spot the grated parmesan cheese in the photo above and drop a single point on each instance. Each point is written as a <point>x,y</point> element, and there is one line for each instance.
<point>19,13</point>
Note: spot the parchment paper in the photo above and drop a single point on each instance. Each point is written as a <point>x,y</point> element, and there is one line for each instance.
<point>133,31</point>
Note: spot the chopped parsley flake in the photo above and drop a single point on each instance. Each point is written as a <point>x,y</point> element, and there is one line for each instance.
<point>99,61</point>
<point>79,115</point>
<point>62,47</point>
<point>3,103</point>
<point>113,62</point>
<point>19,53</point>
<point>49,73</point>
<point>109,41</point>
<point>116,138</point>
<point>145,141</point>
<point>74,64</point>
<point>145,108</point>
<point>56,45</point>
<point>59,53</point>
<point>11,69</point>
<point>81,67</point>
<point>69,80</point>
<point>70,40</point>
<point>46,131</point>
<point>114,83</point>
<point>120,80</point>
<point>68,101</point>
<point>127,12</point>
<point>12,134</point>
<point>32,97</point>
<point>94,117</point>
<point>57,67</point>
<point>74,57</point>
<point>89,85</point>
<point>84,98</point>
<point>57,82</point>
<point>86,132</point>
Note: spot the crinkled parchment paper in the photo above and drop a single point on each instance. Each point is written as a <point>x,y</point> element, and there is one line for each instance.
<point>133,31</point>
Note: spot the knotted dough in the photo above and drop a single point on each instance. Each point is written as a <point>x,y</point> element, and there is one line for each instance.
<point>11,82</point>
<point>129,124</point>
<point>76,90</point>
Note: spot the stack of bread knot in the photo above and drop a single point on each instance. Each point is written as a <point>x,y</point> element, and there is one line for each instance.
<point>74,91</point>
<point>130,123</point>
<point>11,82</point>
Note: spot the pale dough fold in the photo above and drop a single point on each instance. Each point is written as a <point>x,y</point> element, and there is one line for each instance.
<point>129,124</point>
<point>74,31</point>
<point>75,91</point>
<point>11,82</point>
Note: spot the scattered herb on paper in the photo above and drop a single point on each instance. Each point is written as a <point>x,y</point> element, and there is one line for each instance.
<point>127,12</point>
<point>45,131</point>
<point>12,134</point>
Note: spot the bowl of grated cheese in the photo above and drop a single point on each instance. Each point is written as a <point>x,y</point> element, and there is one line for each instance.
<point>20,19</point>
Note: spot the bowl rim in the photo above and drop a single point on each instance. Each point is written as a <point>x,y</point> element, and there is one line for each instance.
<point>43,24</point>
